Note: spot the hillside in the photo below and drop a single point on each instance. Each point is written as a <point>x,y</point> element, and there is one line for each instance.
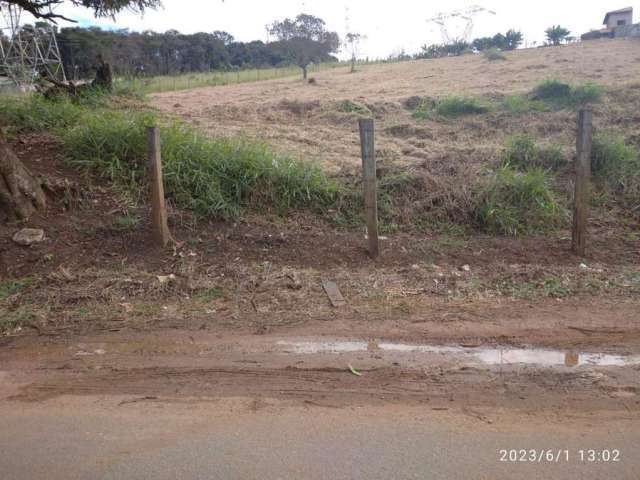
<point>316,123</point>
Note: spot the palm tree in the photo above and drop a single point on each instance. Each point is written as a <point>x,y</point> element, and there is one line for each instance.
<point>557,34</point>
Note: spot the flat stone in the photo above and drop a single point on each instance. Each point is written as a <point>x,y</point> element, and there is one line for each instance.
<point>29,236</point>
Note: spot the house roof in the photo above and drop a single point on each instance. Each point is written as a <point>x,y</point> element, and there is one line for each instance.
<point>622,10</point>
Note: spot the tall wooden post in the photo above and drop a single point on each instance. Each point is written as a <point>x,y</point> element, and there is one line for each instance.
<point>583,181</point>
<point>161,234</point>
<point>369,183</point>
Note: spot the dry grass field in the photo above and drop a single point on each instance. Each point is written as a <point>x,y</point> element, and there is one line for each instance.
<point>314,122</point>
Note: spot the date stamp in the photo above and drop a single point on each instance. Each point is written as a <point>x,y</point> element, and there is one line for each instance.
<point>533,455</point>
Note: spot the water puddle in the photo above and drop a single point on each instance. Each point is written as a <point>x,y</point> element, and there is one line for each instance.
<point>480,355</point>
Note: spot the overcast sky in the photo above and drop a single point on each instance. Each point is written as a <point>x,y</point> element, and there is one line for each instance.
<point>389,25</point>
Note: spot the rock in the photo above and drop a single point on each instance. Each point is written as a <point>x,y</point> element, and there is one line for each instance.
<point>165,279</point>
<point>29,236</point>
<point>466,268</point>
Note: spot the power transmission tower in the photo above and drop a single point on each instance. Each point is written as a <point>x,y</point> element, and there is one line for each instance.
<point>27,52</point>
<point>467,15</point>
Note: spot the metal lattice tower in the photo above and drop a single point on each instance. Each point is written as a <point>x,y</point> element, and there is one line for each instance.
<point>27,52</point>
<point>466,15</point>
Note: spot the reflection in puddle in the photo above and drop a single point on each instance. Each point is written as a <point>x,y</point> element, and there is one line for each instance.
<point>488,356</point>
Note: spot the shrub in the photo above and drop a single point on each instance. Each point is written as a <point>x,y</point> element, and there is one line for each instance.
<point>552,90</point>
<point>456,106</point>
<point>563,95</point>
<point>523,151</point>
<point>450,107</point>
<point>515,203</point>
<point>212,177</point>
<point>494,54</point>
<point>586,94</point>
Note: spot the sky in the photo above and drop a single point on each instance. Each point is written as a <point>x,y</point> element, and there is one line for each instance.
<point>389,26</point>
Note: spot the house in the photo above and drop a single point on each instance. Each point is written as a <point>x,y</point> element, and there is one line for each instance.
<point>619,18</point>
<point>618,24</point>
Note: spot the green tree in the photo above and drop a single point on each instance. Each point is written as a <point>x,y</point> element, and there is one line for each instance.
<point>101,8</point>
<point>513,39</point>
<point>305,39</point>
<point>557,34</point>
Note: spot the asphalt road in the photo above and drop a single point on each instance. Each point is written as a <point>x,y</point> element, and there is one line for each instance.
<point>133,438</point>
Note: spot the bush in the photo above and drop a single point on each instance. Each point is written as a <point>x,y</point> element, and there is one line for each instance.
<point>515,203</point>
<point>494,54</point>
<point>518,104</point>
<point>454,106</point>
<point>563,95</point>
<point>212,177</point>
<point>523,151</point>
<point>586,94</point>
<point>616,166</point>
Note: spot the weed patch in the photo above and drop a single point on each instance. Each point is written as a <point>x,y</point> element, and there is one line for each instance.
<point>212,177</point>
<point>12,287</point>
<point>519,105</point>
<point>347,106</point>
<point>451,107</point>
<point>561,95</point>
<point>515,203</point>
<point>524,153</point>
<point>616,168</point>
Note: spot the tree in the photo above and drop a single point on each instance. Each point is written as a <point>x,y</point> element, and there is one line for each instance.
<point>482,44</point>
<point>353,46</point>
<point>305,40</point>
<point>557,34</point>
<point>513,39</point>
<point>21,193</point>
<point>101,8</point>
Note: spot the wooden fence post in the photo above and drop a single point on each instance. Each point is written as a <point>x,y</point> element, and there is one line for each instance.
<point>161,234</point>
<point>369,183</point>
<point>583,181</point>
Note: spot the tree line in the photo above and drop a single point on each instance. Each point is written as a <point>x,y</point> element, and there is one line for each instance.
<point>151,53</point>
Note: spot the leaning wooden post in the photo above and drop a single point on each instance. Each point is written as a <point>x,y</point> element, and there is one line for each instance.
<point>161,233</point>
<point>583,181</point>
<point>369,183</point>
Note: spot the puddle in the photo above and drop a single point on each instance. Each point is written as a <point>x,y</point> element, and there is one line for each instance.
<point>481,355</point>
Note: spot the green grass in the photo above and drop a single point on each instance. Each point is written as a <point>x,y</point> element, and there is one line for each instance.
<point>616,168</point>
<point>562,95</point>
<point>456,106</point>
<point>452,107</point>
<point>519,105</point>
<point>515,203</point>
<point>213,177</point>
<point>13,286</point>
<point>523,152</point>
<point>35,113</point>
